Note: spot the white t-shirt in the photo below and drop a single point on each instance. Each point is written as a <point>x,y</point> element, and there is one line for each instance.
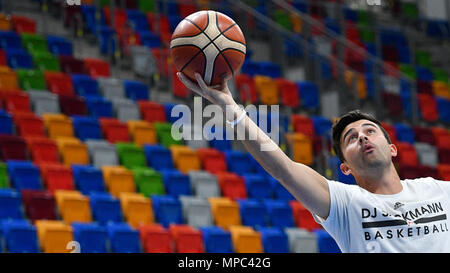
<point>416,219</point>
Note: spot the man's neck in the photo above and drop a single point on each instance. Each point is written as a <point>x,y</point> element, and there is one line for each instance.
<point>386,181</point>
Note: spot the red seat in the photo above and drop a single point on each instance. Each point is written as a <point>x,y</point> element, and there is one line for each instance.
<point>72,16</point>
<point>393,103</point>
<point>155,239</point>
<point>39,205</point>
<point>444,171</point>
<point>289,92</point>
<point>390,130</point>
<point>163,25</point>
<point>186,239</point>
<point>302,217</point>
<point>427,171</point>
<point>444,155</point>
<point>97,67</point>
<point>161,56</point>
<point>114,130</point>
<point>212,160</point>
<point>406,155</point>
<point>302,124</point>
<point>120,18</point>
<point>409,172</point>
<point>59,83</point>
<point>57,177</point>
<point>73,105</point>
<point>12,148</point>
<point>152,111</point>
<point>71,65</point>
<point>42,150</point>
<point>441,136</point>
<point>245,85</point>
<point>428,107</point>
<point>424,87</point>
<point>3,61</point>
<point>15,101</point>
<point>390,53</point>
<point>232,185</point>
<point>23,24</point>
<point>28,124</point>
<point>179,89</point>
<point>424,135</point>
<point>186,9</point>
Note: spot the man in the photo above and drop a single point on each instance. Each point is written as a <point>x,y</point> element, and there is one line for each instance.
<point>380,214</point>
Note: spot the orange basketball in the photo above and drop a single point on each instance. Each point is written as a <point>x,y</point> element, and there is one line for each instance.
<point>209,43</point>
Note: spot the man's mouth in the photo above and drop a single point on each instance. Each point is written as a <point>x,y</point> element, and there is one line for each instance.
<point>368,148</point>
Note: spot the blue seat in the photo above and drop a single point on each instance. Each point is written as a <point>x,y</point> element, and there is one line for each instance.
<point>405,95</point>
<point>19,58</point>
<point>59,45</point>
<point>322,126</point>
<point>91,236</point>
<point>253,213</point>
<point>238,162</point>
<point>325,242</point>
<point>105,208</point>
<point>291,48</point>
<point>309,94</point>
<point>136,90</point>
<point>106,36</point>
<point>85,85</point>
<point>279,191</point>
<point>99,107</point>
<point>88,179</point>
<point>158,157</point>
<point>149,39</point>
<point>438,28</point>
<point>258,186</point>
<point>334,163</point>
<point>404,133</point>
<point>24,175</point>
<point>6,123</point>
<point>10,204</point>
<point>174,20</point>
<point>89,13</point>
<point>20,236</point>
<point>216,240</point>
<point>123,238</point>
<point>167,210</point>
<point>10,40</point>
<point>168,106</point>
<point>350,15</point>
<point>274,240</point>
<point>424,74</point>
<point>270,69</point>
<point>404,54</point>
<point>279,213</point>
<point>250,68</point>
<point>443,105</point>
<point>138,20</point>
<point>86,128</point>
<point>333,25</point>
<point>257,168</point>
<point>222,144</point>
<point>176,183</point>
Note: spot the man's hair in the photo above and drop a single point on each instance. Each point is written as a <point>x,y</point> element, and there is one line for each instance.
<point>343,121</point>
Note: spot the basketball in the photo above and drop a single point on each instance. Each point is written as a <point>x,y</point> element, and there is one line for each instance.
<point>209,43</point>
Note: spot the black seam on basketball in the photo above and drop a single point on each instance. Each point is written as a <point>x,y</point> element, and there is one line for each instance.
<point>232,48</point>
<point>193,57</point>
<point>201,30</point>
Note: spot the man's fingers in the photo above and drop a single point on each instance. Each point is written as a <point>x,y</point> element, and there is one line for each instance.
<point>201,82</point>
<point>189,84</point>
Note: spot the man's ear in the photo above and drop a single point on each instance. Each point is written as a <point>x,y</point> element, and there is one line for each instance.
<point>393,149</point>
<point>345,169</point>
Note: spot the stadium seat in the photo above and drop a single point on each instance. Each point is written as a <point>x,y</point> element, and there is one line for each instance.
<point>6,123</point>
<point>3,60</point>
<point>288,92</point>
<point>428,107</point>
<point>225,212</point>
<point>30,79</point>
<point>10,204</point>
<point>393,103</point>
<point>148,181</point>
<point>267,90</point>
<point>212,160</point>
<point>143,61</point>
<point>54,236</point>
<point>71,65</point>
<point>114,130</point>
<point>322,126</point>
<point>309,96</point>
<point>29,125</point>
<point>302,124</point>
<point>86,128</point>
<point>99,107</point>
<point>444,155</point>
<point>20,236</point>
<point>443,105</point>
<point>136,209</point>
<point>22,24</point>
<point>45,61</point>
<point>19,59</point>
<point>424,135</point>
<point>155,239</point>
<point>73,105</point>
<point>24,175</point>
<point>56,177</point>
<point>406,154</point>
<point>16,101</point>
<point>204,184</point>
<point>196,211</point>
<point>123,238</point>
<point>167,210</point>
<point>274,240</point>
<point>12,148</point>
<point>137,18</point>
<point>185,158</point>
<point>301,148</point>
<point>158,157</point>
<point>8,78</point>
<point>73,206</point>
<point>164,135</point>
<point>238,162</point>
<point>279,213</point>
<point>97,67</point>
<point>258,186</point>
<point>245,85</point>
<point>142,132</point>
<point>326,243</point>
<point>135,90</point>
<point>427,154</point>
<point>152,111</point>
<point>186,239</point>
<point>232,185</point>
<point>42,150</point>
<point>85,85</point>
<point>301,241</point>
<point>279,191</point>
<point>253,213</point>
<point>102,153</point>
<point>217,240</point>
<point>246,240</point>
<point>44,102</point>
<point>59,46</point>
<point>125,109</point>
<point>179,89</point>
<point>441,136</point>
<point>10,40</point>
<point>111,88</point>
<point>130,155</point>
<point>302,217</point>
<point>404,133</point>
<point>118,179</point>
<point>91,236</point>
<point>218,139</point>
<point>4,179</point>
<point>88,179</point>
<point>105,208</point>
<point>444,171</point>
<point>72,151</point>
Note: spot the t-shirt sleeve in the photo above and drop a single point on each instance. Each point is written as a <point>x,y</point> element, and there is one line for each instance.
<point>444,185</point>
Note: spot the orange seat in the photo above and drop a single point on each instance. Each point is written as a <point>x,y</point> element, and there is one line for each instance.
<point>225,212</point>
<point>5,23</point>
<point>185,158</point>
<point>73,206</point>
<point>72,151</point>
<point>441,89</point>
<point>142,132</point>
<point>58,125</point>
<point>136,208</point>
<point>246,240</point>
<point>267,90</point>
<point>301,147</point>
<point>118,179</point>
<point>54,236</point>
<point>8,78</point>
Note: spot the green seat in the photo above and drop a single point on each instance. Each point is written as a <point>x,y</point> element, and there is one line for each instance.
<point>367,35</point>
<point>440,75</point>
<point>410,10</point>
<point>423,58</point>
<point>363,18</point>
<point>104,3</point>
<point>164,134</point>
<point>146,5</point>
<point>46,61</point>
<point>34,43</point>
<point>408,70</point>
<point>148,181</point>
<point>31,79</point>
<point>3,176</point>
<point>130,155</point>
<point>283,19</point>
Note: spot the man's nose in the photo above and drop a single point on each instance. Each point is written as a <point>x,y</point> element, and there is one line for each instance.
<point>362,137</point>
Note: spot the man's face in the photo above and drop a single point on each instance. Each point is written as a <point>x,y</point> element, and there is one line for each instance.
<point>365,147</point>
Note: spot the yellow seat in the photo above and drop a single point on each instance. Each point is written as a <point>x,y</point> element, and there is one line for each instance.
<point>225,212</point>
<point>142,132</point>
<point>58,125</point>
<point>118,179</point>
<point>441,89</point>
<point>73,206</point>
<point>8,78</point>
<point>72,151</point>
<point>361,87</point>
<point>301,148</point>
<point>267,89</point>
<point>5,23</point>
<point>246,240</point>
<point>296,22</point>
<point>54,236</point>
<point>185,158</point>
<point>137,209</point>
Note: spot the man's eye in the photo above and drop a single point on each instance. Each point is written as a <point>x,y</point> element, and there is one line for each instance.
<point>371,131</point>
